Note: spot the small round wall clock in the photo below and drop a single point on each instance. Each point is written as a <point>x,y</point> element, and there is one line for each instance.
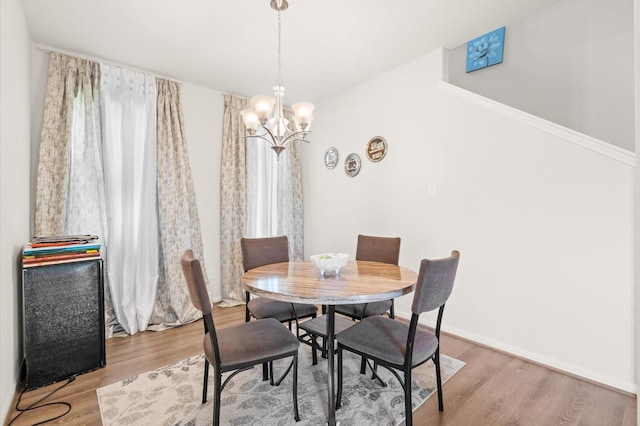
<point>376,148</point>
<point>330,158</point>
<point>352,165</point>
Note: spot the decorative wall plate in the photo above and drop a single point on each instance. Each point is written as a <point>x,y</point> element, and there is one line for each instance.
<point>376,148</point>
<point>330,158</point>
<point>352,165</point>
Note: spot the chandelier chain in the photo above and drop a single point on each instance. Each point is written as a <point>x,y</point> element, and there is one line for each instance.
<point>279,50</point>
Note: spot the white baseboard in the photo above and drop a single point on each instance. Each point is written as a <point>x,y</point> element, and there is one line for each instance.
<point>538,358</point>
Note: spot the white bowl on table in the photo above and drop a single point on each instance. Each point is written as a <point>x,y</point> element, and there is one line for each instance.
<point>329,262</point>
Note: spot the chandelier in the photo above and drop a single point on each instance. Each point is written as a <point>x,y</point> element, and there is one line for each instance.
<point>276,128</point>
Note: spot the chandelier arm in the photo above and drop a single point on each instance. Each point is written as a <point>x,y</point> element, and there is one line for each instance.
<point>260,137</point>
<point>273,137</point>
<point>293,136</point>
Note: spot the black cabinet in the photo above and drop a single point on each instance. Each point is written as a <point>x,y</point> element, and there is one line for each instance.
<point>63,312</point>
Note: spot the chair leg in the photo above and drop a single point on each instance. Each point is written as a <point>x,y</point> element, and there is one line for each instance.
<point>206,380</point>
<point>436,360</point>
<point>216,402</point>
<point>247,314</point>
<point>375,375</point>
<point>324,347</point>
<point>270,373</point>
<point>339,392</point>
<point>265,371</point>
<point>295,389</point>
<point>363,365</point>
<point>277,383</point>
<point>314,352</point>
<point>408,412</point>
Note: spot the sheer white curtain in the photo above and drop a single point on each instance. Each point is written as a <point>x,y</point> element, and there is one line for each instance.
<point>128,102</point>
<point>85,201</point>
<point>274,194</point>
<point>84,212</point>
<point>262,190</point>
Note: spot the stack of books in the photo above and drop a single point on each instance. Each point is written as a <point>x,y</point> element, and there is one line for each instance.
<point>53,250</point>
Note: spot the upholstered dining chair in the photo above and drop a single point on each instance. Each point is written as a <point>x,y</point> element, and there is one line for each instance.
<point>264,251</point>
<point>380,338</point>
<point>237,348</point>
<point>374,249</point>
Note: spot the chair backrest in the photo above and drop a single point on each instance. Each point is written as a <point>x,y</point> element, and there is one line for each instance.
<point>378,249</point>
<point>263,251</point>
<point>195,282</point>
<point>435,283</point>
<point>200,298</point>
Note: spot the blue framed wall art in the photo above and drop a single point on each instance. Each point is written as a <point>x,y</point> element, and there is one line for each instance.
<point>485,50</point>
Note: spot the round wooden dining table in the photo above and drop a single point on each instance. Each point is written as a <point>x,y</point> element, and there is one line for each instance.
<point>358,282</point>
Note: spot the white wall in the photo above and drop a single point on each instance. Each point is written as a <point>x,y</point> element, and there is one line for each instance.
<point>203,126</point>
<point>15,215</point>
<point>571,63</point>
<point>544,226</point>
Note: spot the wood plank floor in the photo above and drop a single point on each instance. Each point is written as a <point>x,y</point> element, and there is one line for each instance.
<point>492,389</point>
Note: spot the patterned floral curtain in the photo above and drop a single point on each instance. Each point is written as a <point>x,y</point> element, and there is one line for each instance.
<point>54,160</point>
<point>235,200</point>
<point>70,186</point>
<point>70,182</point>
<point>179,224</point>
<point>233,210</point>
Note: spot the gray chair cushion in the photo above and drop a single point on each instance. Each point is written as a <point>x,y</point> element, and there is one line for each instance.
<point>251,343</point>
<point>357,310</point>
<point>318,325</point>
<point>261,307</point>
<point>386,339</point>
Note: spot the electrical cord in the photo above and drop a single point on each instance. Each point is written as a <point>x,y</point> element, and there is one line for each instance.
<point>34,405</point>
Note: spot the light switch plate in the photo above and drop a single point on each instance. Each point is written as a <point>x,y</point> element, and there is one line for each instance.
<point>431,191</point>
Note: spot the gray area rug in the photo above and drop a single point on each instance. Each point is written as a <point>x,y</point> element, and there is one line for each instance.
<point>171,395</point>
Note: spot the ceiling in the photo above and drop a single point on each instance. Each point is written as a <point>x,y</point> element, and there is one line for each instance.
<point>231,46</point>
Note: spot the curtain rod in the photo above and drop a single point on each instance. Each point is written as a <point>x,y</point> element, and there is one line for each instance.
<point>47,49</point>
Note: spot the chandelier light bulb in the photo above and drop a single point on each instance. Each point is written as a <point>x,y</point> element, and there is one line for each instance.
<point>263,106</point>
<point>251,120</point>
<point>303,112</point>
